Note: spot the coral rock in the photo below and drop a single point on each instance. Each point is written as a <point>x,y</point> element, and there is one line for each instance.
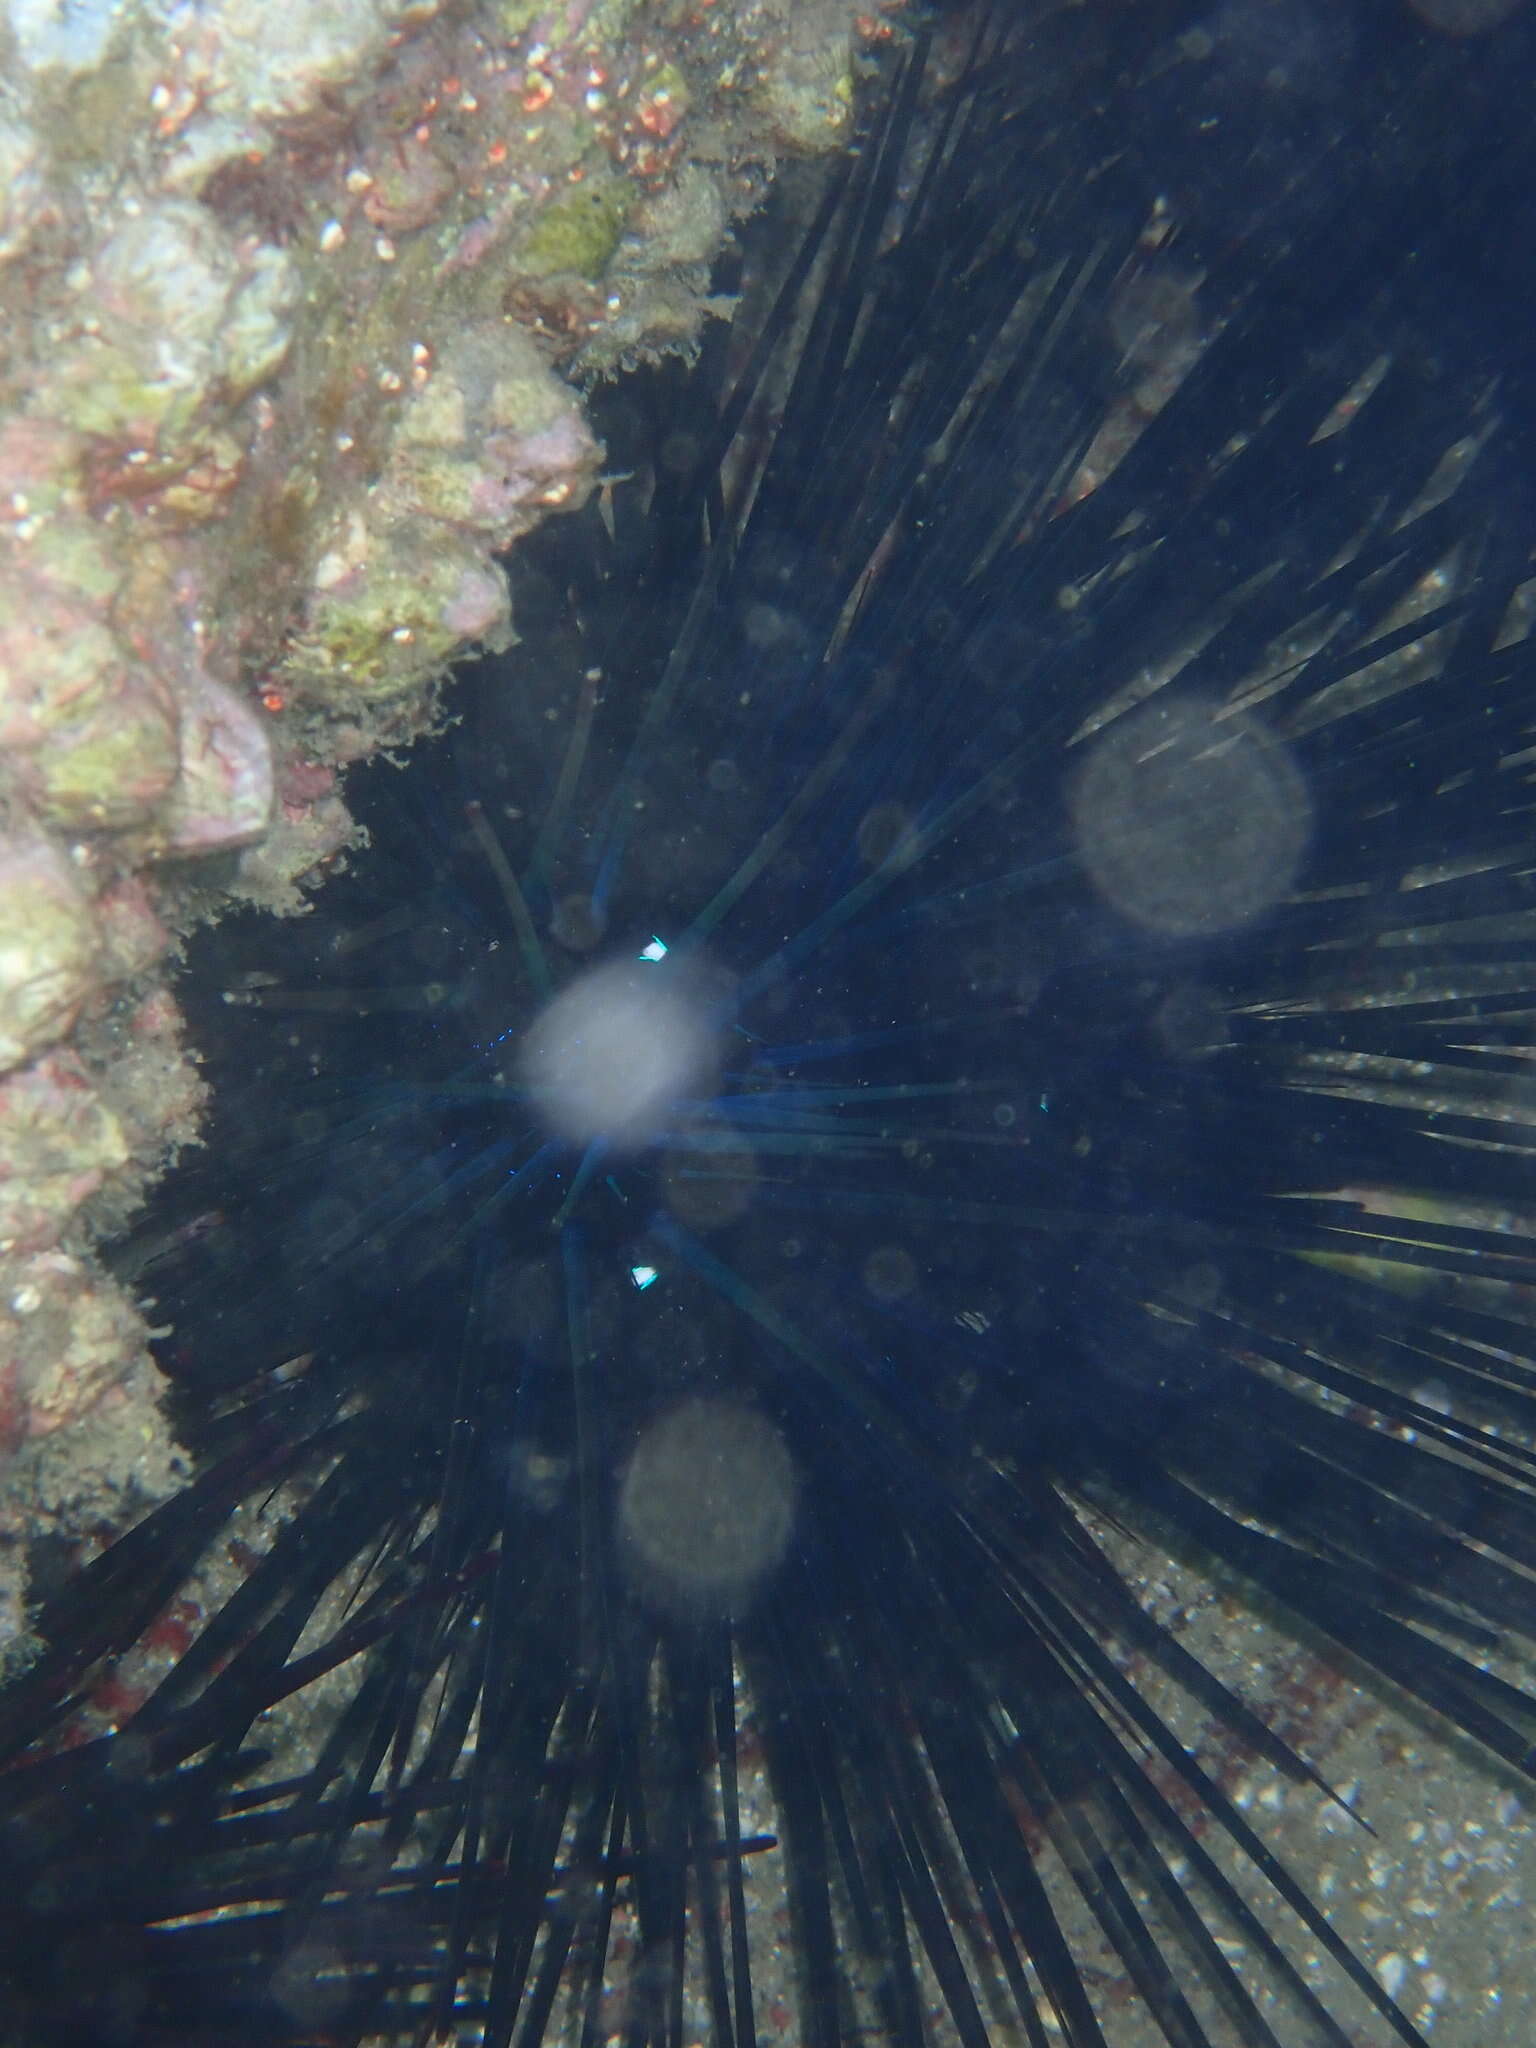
<point>115,760</point>
<point>387,617</point>
<point>62,1142</point>
<point>224,794</point>
<point>494,441</point>
<point>88,1330</point>
<point>174,309</point>
<point>49,945</point>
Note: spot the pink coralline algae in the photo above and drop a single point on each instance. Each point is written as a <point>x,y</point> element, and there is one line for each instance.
<point>223,792</point>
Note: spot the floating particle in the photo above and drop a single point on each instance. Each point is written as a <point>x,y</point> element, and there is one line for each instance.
<point>613,1055</point>
<point>1190,820</point>
<point>706,1507</point>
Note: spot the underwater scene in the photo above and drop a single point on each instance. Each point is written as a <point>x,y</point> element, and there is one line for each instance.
<point>856,1341</point>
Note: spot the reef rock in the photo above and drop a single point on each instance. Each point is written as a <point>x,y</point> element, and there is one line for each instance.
<point>297,300</point>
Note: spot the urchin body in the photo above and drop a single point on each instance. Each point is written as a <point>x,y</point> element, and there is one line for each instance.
<point>935,1006</point>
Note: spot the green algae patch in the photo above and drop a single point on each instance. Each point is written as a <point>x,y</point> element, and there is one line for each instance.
<point>578,232</point>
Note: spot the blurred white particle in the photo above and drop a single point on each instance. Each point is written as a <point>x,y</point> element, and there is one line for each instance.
<point>613,1055</point>
<point>706,1507</point>
<point>1189,820</point>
